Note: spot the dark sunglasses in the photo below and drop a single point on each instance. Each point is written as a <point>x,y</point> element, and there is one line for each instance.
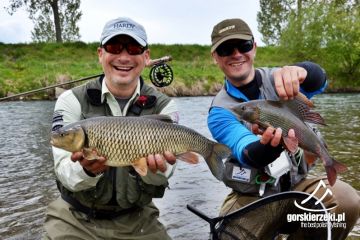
<point>116,48</point>
<point>227,49</point>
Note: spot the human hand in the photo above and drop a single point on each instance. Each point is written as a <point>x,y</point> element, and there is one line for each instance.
<point>287,81</point>
<point>158,161</point>
<point>271,135</point>
<point>94,167</point>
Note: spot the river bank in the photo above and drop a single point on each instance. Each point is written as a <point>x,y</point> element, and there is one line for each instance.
<point>25,67</point>
<point>174,90</point>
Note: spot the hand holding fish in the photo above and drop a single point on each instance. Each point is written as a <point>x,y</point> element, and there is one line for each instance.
<point>271,135</point>
<point>287,81</point>
<point>95,167</point>
<point>154,161</point>
<point>158,161</point>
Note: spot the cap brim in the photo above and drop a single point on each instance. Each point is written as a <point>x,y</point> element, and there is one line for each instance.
<point>141,41</point>
<point>234,36</point>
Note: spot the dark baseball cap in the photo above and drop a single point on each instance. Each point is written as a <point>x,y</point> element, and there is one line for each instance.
<point>234,28</point>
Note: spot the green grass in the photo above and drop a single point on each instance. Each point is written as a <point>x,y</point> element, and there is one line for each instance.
<point>25,67</point>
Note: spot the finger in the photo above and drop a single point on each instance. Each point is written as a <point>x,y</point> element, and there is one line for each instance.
<point>255,128</point>
<point>302,73</point>
<point>160,162</point>
<point>288,78</point>
<point>279,84</point>
<point>291,133</point>
<point>151,163</point>
<point>97,166</point>
<point>277,137</point>
<point>170,157</point>
<point>76,156</point>
<point>296,83</point>
<point>267,135</point>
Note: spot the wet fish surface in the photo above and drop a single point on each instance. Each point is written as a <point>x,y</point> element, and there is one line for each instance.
<point>126,141</point>
<point>292,114</point>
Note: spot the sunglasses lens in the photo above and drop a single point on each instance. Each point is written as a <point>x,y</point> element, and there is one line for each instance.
<point>131,48</point>
<point>134,49</point>
<point>114,48</point>
<point>227,49</point>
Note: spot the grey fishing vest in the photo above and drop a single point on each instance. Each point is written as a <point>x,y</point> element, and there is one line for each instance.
<point>299,167</point>
<point>118,188</point>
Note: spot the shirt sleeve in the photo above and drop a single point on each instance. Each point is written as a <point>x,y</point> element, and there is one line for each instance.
<point>70,174</point>
<point>227,129</point>
<point>160,178</point>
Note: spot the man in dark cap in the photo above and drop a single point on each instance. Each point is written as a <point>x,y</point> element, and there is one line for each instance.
<point>233,49</point>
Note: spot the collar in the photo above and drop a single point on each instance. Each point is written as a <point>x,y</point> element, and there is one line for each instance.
<point>105,92</point>
<point>234,92</point>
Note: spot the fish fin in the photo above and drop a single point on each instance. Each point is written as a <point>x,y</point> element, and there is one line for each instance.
<point>140,166</point>
<point>290,143</point>
<point>90,154</point>
<point>302,98</point>
<point>340,167</point>
<point>331,174</point>
<point>310,158</point>
<point>314,117</point>
<point>301,107</point>
<point>159,117</point>
<point>333,169</point>
<point>189,157</point>
<point>215,159</point>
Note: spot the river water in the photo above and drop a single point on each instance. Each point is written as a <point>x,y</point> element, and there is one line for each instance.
<point>27,180</point>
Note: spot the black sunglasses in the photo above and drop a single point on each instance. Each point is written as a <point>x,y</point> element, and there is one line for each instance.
<point>227,48</point>
<point>132,48</point>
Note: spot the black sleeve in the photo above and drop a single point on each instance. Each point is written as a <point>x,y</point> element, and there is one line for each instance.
<point>315,78</point>
<point>258,155</point>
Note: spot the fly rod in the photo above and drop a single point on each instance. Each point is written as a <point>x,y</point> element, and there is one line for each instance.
<point>154,63</point>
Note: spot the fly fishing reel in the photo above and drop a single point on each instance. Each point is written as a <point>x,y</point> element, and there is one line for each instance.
<point>161,74</point>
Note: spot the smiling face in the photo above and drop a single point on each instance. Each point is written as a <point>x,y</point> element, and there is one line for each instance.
<point>238,67</point>
<point>122,70</point>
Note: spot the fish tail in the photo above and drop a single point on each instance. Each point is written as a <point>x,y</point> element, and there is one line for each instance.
<point>339,166</point>
<point>215,159</point>
<point>333,169</point>
<point>331,174</point>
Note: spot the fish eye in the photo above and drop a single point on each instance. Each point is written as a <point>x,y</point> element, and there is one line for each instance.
<point>243,108</point>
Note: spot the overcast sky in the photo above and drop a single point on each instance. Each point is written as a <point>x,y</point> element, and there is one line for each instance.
<point>165,21</point>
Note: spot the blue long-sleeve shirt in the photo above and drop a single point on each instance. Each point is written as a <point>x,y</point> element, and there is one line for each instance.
<point>226,128</point>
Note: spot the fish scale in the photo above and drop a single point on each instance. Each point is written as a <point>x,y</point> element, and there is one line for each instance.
<point>123,140</point>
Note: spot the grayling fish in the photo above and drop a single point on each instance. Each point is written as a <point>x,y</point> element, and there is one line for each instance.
<point>292,114</point>
<point>128,141</point>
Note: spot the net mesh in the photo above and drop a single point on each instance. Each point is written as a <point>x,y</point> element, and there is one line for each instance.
<point>268,218</point>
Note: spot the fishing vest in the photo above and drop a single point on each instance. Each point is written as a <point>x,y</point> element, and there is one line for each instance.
<point>119,188</point>
<point>252,184</point>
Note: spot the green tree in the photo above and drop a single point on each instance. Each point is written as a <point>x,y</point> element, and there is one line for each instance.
<point>55,20</point>
<point>329,34</point>
<point>272,19</point>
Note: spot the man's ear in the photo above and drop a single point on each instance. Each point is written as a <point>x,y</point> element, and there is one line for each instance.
<point>214,57</point>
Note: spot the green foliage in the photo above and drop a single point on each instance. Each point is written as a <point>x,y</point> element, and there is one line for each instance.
<point>330,36</point>
<point>24,67</point>
<point>55,20</point>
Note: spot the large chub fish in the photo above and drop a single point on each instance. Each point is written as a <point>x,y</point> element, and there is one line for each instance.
<point>126,141</point>
<point>288,115</point>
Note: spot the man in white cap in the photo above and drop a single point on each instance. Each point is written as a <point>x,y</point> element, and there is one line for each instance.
<point>98,201</point>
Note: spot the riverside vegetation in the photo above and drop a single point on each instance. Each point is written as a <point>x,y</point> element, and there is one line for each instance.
<point>24,67</point>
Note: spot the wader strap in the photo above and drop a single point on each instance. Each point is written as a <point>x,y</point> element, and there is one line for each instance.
<point>97,213</point>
